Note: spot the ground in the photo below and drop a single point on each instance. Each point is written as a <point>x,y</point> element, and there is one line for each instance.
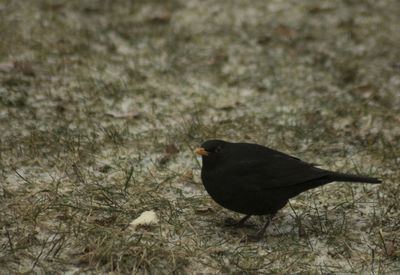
<point>103,102</point>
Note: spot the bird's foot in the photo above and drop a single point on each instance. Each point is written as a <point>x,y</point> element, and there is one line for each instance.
<point>257,237</point>
<point>232,223</point>
<point>260,234</point>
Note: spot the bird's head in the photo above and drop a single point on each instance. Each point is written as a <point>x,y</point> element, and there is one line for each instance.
<point>212,148</point>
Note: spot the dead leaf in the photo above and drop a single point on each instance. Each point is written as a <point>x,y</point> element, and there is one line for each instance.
<point>264,39</point>
<point>103,168</point>
<point>228,106</point>
<point>204,211</point>
<point>302,232</point>
<point>130,114</point>
<point>53,6</point>
<point>364,91</point>
<point>312,117</point>
<point>218,57</point>
<point>162,18</point>
<point>391,249</point>
<point>218,250</point>
<point>285,31</point>
<point>106,221</point>
<point>292,54</point>
<point>171,149</point>
<point>60,107</point>
<point>24,67</point>
<point>314,10</point>
<point>187,176</point>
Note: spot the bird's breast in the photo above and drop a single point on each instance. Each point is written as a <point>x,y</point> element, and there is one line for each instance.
<point>217,185</point>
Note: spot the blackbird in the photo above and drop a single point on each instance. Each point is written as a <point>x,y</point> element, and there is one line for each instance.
<point>255,180</point>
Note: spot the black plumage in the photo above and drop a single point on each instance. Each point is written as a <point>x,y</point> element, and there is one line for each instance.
<point>254,180</point>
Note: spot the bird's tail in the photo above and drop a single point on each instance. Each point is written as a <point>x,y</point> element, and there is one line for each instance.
<point>353,178</point>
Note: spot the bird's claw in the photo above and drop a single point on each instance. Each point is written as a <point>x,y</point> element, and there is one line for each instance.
<point>231,222</point>
<point>241,223</point>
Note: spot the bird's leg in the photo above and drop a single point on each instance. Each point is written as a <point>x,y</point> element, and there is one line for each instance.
<point>239,223</point>
<point>261,233</point>
<point>242,221</point>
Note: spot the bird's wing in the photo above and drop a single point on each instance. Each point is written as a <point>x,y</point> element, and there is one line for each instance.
<point>275,172</point>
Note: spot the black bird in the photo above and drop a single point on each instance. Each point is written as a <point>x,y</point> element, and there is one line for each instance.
<point>255,180</point>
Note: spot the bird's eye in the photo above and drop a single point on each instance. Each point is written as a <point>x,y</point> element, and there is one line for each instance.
<point>217,149</point>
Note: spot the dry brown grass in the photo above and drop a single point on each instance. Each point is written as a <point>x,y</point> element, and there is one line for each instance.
<point>92,93</point>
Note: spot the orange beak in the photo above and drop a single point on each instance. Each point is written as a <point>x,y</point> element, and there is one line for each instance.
<point>201,151</point>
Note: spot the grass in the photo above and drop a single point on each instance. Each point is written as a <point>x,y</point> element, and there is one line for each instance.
<point>102,103</point>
